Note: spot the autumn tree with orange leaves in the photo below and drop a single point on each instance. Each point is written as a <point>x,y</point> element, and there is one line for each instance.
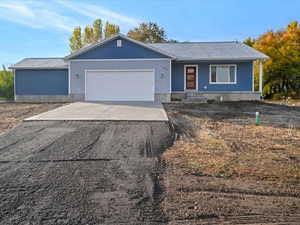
<point>282,70</point>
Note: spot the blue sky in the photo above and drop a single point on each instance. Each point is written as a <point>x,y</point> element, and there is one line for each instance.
<point>41,28</point>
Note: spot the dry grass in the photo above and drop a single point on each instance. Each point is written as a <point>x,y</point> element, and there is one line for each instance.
<point>234,146</point>
<point>12,114</point>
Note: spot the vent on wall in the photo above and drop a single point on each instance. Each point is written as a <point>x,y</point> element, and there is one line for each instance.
<point>119,43</point>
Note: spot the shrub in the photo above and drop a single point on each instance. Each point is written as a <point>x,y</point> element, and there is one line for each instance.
<point>6,84</point>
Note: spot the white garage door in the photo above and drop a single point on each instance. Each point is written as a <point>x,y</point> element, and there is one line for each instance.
<point>135,85</point>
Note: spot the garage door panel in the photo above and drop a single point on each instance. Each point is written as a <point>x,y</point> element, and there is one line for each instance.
<point>120,86</point>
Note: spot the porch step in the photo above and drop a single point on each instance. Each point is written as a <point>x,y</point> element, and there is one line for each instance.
<point>193,94</point>
<point>195,97</point>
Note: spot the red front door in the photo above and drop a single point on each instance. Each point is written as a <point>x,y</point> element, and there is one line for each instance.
<point>190,78</point>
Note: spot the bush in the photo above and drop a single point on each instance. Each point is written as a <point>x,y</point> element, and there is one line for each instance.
<point>6,84</point>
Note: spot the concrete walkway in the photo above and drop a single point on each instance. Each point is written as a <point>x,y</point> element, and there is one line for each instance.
<point>106,111</point>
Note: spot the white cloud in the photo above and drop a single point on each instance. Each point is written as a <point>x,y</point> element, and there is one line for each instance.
<point>35,15</point>
<point>97,11</point>
<point>51,14</point>
<point>21,9</point>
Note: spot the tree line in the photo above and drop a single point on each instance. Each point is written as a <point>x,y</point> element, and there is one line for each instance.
<point>146,32</point>
<point>282,70</point>
<point>6,83</point>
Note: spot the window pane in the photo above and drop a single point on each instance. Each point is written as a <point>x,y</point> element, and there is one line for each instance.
<point>232,73</point>
<point>213,74</point>
<point>222,74</point>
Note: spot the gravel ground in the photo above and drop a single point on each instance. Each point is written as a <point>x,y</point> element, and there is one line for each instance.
<point>82,173</point>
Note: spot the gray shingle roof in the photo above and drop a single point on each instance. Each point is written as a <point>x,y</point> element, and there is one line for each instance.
<point>210,51</point>
<point>180,51</point>
<point>41,63</point>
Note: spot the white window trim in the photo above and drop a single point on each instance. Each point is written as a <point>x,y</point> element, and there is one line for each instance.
<point>184,74</point>
<point>235,74</point>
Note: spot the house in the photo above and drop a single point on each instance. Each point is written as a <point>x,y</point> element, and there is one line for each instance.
<point>122,69</point>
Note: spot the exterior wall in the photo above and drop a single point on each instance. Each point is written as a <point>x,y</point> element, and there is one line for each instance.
<point>41,82</point>
<point>244,77</point>
<point>162,97</point>
<point>48,98</point>
<point>161,67</point>
<point>226,96</point>
<point>128,50</point>
<point>234,96</point>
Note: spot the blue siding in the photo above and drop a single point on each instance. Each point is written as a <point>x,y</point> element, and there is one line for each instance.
<point>41,82</point>
<point>128,50</point>
<point>244,77</point>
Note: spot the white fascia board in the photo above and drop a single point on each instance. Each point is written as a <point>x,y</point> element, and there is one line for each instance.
<point>219,59</point>
<point>38,68</point>
<point>103,60</point>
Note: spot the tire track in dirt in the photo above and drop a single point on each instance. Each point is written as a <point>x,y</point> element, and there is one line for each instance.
<point>82,173</point>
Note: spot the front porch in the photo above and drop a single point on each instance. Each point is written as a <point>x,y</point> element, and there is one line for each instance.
<point>216,80</point>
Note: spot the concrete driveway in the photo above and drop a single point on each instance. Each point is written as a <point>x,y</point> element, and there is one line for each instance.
<point>105,111</point>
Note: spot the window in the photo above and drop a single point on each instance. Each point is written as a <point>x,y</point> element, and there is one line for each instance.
<point>119,43</point>
<point>222,74</point>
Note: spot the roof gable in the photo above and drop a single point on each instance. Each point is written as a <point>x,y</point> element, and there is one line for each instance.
<point>108,49</point>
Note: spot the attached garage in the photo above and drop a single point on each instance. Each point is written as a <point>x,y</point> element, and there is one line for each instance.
<point>119,85</point>
<point>115,69</point>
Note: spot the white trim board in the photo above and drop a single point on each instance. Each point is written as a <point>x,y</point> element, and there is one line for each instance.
<point>170,70</point>
<point>253,75</point>
<point>69,77</point>
<point>120,70</point>
<point>103,60</point>
<point>15,87</point>
<point>235,74</point>
<point>184,74</point>
<point>39,68</point>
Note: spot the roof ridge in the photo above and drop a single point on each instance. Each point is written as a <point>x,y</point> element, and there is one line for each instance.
<point>195,42</point>
<point>44,58</point>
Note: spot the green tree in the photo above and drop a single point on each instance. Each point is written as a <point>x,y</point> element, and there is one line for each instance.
<point>249,41</point>
<point>6,84</point>
<point>148,32</point>
<point>282,70</point>
<point>172,41</point>
<point>97,30</point>
<point>88,37</point>
<point>76,39</point>
<point>111,29</point>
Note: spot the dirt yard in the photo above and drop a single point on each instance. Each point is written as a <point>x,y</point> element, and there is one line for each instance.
<point>288,102</point>
<point>82,173</point>
<point>12,114</point>
<point>223,169</point>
